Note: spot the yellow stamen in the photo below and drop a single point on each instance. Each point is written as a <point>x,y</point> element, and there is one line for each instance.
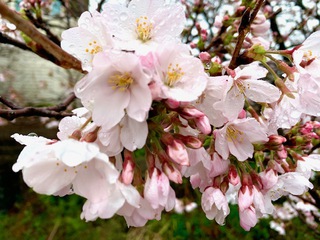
<point>234,134</point>
<point>121,81</point>
<point>93,48</point>
<point>144,28</point>
<point>174,74</point>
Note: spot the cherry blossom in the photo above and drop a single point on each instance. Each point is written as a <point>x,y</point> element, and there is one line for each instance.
<point>113,89</point>
<point>180,76</point>
<point>237,136</point>
<point>246,84</point>
<point>144,24</point>
<point>92,36</point>
<point>85,170</point>
<point>215,205</point>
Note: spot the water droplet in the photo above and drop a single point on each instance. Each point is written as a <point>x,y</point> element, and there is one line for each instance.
<point>123,16</point>
<point>32,135</point>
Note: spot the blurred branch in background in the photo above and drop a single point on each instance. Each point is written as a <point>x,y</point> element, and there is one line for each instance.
<point>44,47</point>
<point>15,111</point>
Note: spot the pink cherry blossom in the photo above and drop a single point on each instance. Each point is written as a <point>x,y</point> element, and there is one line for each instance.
<point>112,89</point>
<point>180,76</point>
<point>245,197</point>
<point>199,169</point>
<point>157,191</point>
<point>237,136</point>
<point>248,218</point>
<point>246,84</point>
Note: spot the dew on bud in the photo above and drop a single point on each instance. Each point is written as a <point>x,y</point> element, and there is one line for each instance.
<point>32,134</point>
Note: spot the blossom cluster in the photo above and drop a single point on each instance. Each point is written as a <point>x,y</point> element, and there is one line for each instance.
<point>153,114</point>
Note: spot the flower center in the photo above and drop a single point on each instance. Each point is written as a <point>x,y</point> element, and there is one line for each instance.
<point>234,134</point>
<point>121,81</point>
<point>93,48</point>
<point>144,28</point>
<point>174,74</point>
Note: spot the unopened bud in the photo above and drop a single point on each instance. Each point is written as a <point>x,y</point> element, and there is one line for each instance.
<point>190,141</point>
<point>233,175</point>
<point>90,137</point>
<point>172,173</point>
<point>282,152</point>
<point>203,124</point>
<point>205,57</point>
<point>276,139</point>
<point>178,153</point>
<point>224,186</point>
<point>128,168</point>
<point>166,138</point>
<point>173,104</point>
<point>191,112</point>
<point>76,134</point>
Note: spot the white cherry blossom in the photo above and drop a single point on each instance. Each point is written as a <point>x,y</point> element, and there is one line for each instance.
<point>90,37</point>
<point>144,24</point>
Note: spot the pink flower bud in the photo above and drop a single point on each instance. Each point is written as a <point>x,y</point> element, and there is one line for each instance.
<point>167,138</point>
<point>269,178</point>
<point>191,112</point>
<point>245,197</point>
<point>306,128</point>
<point>242,114</point>
<point>276,140</point>
<point>218,21</point>
<point>190,141</point>
<point>193,45</point>
<point>203,124</point>
<point>233,175</point>
<point>76,134</point>
<point>205,57</point>
<point>282,152</point>
<point>173,104</point>
<point>128,168</point>
<point>172,173</point>
<point>177,152</point>
<point>248,218</point>
<point>216,59</point>
<point>204,36</point>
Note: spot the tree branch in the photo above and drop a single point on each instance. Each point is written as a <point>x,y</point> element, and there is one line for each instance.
<point>17,111</point>
<point>8,40</point>
<point>62,58</point>
<point>246,21</point>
